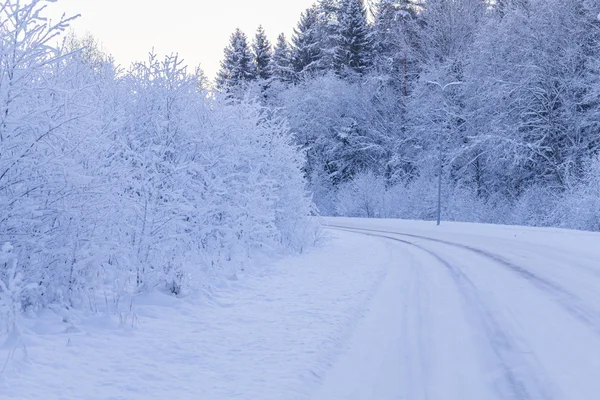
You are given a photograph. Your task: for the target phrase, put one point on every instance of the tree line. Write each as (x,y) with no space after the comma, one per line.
(505,93)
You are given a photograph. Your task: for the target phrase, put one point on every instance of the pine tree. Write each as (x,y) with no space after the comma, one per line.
(395,26)
(504,6)
(354,49)
(262,54)
(396,38)
(306,47)
(281,61)
(328,12)
(237,66)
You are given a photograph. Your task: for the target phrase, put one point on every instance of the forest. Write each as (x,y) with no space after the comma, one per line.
(500,98)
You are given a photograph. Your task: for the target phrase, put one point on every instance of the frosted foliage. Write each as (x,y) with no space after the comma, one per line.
(503,94)
(361,197)
(580,206)
(115,182)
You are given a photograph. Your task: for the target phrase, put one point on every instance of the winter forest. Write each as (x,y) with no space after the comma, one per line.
(115,180)
(504,95)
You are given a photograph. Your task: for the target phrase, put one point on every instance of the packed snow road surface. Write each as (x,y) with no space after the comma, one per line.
(475,312)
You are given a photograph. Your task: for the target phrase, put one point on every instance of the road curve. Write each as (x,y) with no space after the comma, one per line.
(468,316)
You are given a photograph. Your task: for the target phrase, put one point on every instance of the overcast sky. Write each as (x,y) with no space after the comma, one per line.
(197,29)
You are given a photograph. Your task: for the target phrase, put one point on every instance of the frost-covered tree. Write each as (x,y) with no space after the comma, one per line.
(122,181)
(41,174)
(535,105)
(437,106)
(307,54)
(504,6)
(504,93)
(237,67)
(281,61)
(354,47)
(328,12)
(262,52)
(448,29)
(396,39)
(342,129)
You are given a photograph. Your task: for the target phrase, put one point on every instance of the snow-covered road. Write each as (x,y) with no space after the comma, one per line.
(476,312)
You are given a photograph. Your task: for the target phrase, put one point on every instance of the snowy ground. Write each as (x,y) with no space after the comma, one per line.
(384,310)
(267,336)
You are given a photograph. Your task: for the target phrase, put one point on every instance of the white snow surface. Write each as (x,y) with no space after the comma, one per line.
(472,311)
(267,335)
(386,309)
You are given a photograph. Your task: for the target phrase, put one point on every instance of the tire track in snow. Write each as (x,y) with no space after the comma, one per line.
(416,333)
(570,302)
(502,345)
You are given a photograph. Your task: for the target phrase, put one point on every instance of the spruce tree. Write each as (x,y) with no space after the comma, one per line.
(281,61)
(396,39)
(395,24)
(504,6)
(327,29)
(306,46)
(354,49)
(238,65)
(262,54)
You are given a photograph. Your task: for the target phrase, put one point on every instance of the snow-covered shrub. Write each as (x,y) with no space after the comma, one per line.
(41,172)
(323,193)
(363,196)
(420,198)
(112,181)
(579,207)
(250,180)
(460,203)
(10,289)
(207,181)
(535,207)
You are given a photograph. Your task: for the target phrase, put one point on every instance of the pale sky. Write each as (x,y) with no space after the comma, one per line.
(196,29)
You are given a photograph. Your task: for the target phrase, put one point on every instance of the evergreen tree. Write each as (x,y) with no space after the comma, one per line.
(354,49)
(396,51)
(504,6)
(262,54)
(306,46)
(281,61)
(238,65)
(395,30)
(327,29)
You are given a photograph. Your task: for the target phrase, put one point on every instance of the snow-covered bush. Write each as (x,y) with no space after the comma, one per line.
(41,173)
(579,207)
(250,183)
(206,182)
(363,196)
(118,181)
(11,281)
(535,207)
(367,195)
(460,203)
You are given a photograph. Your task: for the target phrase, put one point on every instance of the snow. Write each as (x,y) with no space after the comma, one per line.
(268,335)
(384,309)
(479,312)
